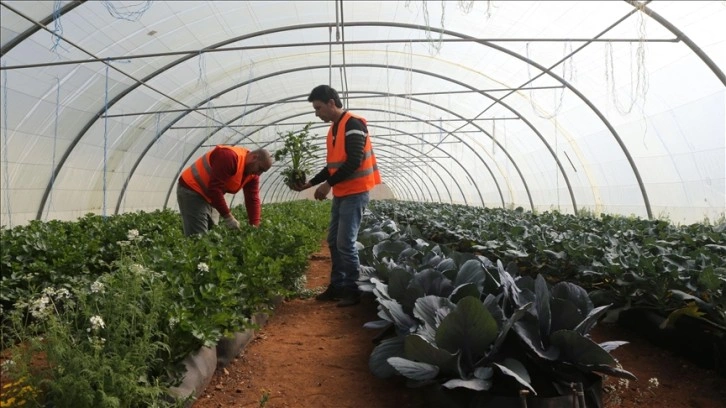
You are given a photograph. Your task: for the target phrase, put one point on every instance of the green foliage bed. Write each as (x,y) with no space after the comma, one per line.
(114,304)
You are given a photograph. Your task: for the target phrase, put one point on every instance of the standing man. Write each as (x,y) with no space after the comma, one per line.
(351,172)
(224,169)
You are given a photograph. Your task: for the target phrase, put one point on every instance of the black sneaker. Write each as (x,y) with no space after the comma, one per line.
(330,293)
(349,297)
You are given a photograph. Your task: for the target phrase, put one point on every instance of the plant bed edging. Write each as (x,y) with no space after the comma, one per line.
(201,365)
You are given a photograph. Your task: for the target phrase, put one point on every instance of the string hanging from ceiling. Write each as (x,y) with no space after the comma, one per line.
(55,140)
(6,136)
(638,76)
(127,12)
(105,140)
(57,31)
(568,73)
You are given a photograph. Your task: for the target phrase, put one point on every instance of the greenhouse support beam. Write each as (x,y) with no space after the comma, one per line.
(681,36)
(385,95)
(368,121)
(38,25)
(379,147)
(309,44)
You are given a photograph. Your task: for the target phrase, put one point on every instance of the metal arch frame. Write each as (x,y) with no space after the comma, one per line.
(276,185)
(414,136)
(387,148)
(275,182)
(274,188)
(391,129)
(638,5)
(35,28)
(171,186)
(62,162)
(475,151)
(681,36)
(264,32)
(318,25)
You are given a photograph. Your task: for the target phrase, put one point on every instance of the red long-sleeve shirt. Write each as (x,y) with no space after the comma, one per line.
(224,167)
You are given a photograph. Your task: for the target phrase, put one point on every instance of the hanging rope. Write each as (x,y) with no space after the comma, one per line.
(247,97)
(6,161)
(434,45)
(158,135)
(466,6)
(55,139)
(409,71)
(557,174)
(494,137)
(105,140)
(127,12)
(567,73)
(638,76)
(57,31)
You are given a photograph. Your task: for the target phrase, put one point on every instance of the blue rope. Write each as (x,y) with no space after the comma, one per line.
(55,139)
(157,140)
(127,15)
(5,146)
(57,28)
(105,140)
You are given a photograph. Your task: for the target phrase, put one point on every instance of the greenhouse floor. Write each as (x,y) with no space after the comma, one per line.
(314,354)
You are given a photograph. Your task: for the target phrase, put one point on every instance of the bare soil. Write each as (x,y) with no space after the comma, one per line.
(314,354)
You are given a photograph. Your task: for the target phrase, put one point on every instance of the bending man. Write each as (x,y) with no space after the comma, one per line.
(224,169)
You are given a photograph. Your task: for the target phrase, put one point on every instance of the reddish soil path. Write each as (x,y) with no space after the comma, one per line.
(315,355)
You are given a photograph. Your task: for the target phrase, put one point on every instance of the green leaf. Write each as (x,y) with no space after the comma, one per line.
(579,350)
(414,370)
(469,328)
(416,348)
(475,384)
(378,360)
(513,368)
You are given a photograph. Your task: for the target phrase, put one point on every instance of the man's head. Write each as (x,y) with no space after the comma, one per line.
(258,161)
(326,103)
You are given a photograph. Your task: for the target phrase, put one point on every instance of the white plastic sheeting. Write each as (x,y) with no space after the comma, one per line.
(602,106)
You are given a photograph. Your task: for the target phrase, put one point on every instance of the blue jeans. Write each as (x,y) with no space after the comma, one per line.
(345,218)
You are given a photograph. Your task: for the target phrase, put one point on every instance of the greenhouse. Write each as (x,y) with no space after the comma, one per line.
(555,143)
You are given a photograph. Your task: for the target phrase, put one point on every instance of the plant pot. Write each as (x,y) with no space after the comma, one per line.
(462,398)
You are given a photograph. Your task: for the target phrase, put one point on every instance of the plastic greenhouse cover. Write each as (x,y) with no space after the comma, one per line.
(602,106)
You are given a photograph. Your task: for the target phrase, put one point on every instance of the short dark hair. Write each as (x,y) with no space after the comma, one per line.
(324,93)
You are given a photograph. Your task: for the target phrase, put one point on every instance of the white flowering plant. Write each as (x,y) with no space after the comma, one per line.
(102,342)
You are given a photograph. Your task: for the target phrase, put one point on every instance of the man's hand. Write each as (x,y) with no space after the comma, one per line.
(301,187)
(231,222)
(322,191)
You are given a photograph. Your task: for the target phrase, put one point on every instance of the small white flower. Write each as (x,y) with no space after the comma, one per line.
(97,322)
(133,234)
(40,307)
(62,293)
(653,383)
(138,269)
(203,267)
(97,287)
(7,365)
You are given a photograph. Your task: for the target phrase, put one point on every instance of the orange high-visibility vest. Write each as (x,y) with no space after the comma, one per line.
(198,175)
(366,176)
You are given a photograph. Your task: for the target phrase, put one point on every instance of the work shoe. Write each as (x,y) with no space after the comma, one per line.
(330,293)
(349,297)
